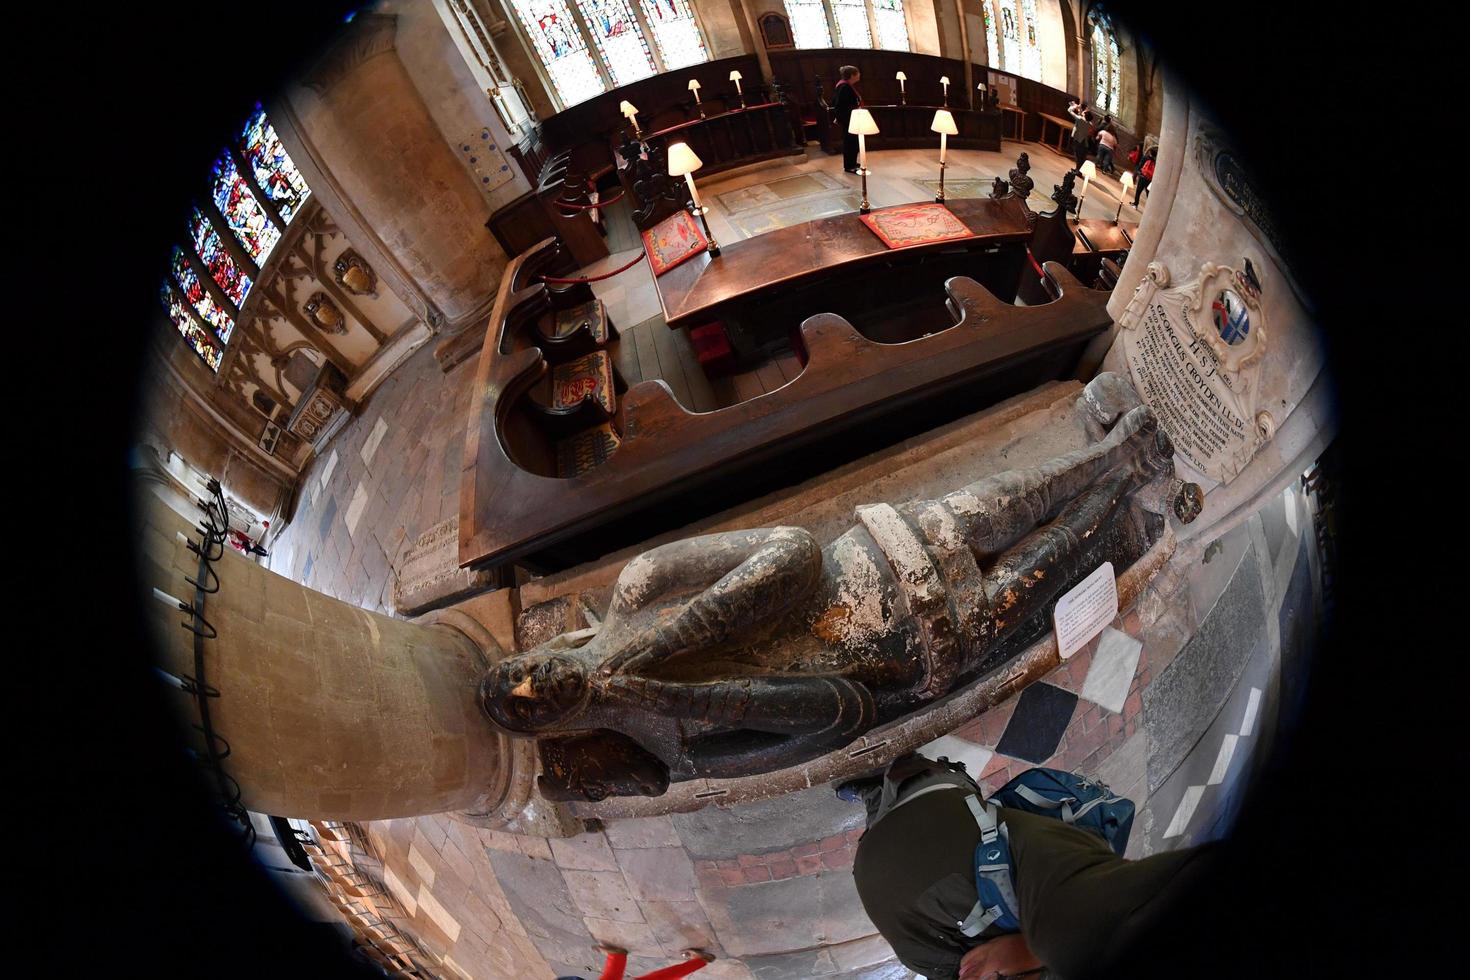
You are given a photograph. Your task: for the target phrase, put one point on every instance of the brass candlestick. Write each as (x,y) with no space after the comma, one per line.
(714,246)
(863,173)
(939,198)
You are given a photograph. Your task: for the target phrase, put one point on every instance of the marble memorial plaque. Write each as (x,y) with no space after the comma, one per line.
(1194,353)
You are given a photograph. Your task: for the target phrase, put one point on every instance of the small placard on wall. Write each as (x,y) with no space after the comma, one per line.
(1082,613)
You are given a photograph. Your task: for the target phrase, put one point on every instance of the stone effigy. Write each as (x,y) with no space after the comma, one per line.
(746,651)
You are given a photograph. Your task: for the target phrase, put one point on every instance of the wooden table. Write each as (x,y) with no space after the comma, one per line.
(1064,128)
(706,288)
(1017,115)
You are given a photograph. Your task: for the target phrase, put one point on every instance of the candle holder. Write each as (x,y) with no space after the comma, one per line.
(714,247)
(862,125)
(682,163)
(944,125)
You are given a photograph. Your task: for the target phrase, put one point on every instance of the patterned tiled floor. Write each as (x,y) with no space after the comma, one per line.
(1171,713)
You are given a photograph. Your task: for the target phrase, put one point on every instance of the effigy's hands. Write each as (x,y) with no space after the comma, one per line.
(1000,957)
(699,593)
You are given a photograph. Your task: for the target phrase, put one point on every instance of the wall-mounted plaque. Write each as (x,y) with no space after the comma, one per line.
(1195,354)
(775,31)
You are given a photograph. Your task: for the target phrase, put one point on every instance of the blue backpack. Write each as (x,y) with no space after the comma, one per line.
(1065,796)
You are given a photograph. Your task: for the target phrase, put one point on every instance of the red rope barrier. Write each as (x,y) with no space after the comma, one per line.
(588,207)
(1035,265)
(552,280)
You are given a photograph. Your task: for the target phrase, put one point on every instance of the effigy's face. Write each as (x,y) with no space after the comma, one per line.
(534,692)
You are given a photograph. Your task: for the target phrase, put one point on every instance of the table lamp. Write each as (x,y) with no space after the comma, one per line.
(901,79)
(1127,186)
(694,87)
(863,126)
(943,125)
(735,77)
(1089,171)
(631,111)
(682,163)
(981,89)
(944,80)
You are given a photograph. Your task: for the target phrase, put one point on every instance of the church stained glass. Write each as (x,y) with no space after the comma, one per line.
(1030,49)
(561,48)
(1010,36)
(893,31)
(243,214)
(272,168)
(618,39)
(188,326)
(992,40)
(1105,62)
(222,268)
(852,23)
(809,23)
(220,321)
(676,33)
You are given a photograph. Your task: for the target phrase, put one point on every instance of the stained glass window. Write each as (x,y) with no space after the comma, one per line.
(809,23)
(1010,36)
(1030,48)
(893,32)
(618,39)
(561,48)
(222,267)
(242,212)
(992,40)
(1105,62)
(852,23)
(676,33)
(272,168)
(199,297)
(187,324)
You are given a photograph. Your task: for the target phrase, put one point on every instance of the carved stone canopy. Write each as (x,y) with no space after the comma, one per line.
(746,651)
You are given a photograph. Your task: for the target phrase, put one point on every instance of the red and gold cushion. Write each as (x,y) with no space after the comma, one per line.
(591,314)
(586,377)
(915,224)
(673,240)
(586,450)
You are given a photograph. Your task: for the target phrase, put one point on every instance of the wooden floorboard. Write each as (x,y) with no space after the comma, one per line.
(626,358)
(770,376)
(671,365)
(699,386)
(724,391)
(789,365)
(747,386)
(647,355)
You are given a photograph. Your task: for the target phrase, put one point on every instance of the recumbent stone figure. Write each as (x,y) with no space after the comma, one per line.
(747,651)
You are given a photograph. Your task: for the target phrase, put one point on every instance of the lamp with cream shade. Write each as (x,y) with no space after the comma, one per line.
(862,125)
(629,110)
(735,77)
(1089,171)
(901,79)
(944,80)
(945,126)
(683,161)
(694,87)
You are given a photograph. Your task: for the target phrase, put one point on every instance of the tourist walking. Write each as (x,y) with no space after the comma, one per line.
(846,98)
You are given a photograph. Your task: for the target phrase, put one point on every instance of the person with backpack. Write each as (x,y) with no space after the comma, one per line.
(1145,173)
(965,888)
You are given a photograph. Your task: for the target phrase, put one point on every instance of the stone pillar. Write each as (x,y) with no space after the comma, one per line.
(368,145)
(330,711)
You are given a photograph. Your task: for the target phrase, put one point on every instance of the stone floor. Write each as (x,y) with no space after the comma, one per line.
(1171,706)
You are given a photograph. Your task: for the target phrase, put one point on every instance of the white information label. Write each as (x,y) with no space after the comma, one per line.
(1083,613)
